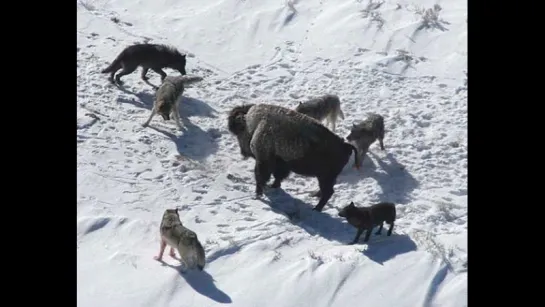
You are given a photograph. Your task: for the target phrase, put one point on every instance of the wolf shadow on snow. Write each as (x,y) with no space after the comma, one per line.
(188,106)
(145,98)
(392,246)
(334,228)
(203,283)
(193,143)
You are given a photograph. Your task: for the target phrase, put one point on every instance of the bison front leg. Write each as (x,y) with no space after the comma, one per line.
(262,173)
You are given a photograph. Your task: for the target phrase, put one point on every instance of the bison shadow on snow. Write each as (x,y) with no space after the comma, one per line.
(203,283)
(381,248)
(314,223)
(396,182)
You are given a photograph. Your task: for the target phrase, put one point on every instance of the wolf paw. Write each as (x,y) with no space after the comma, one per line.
(316,194)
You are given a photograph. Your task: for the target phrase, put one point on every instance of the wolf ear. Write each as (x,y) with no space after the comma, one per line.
(351,204)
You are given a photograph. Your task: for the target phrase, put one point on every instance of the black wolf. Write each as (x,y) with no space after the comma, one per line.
(366,218)
(149,56)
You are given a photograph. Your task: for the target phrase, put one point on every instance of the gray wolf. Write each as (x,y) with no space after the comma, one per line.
(180,238)
(366,218)
(167,98)
(366,133)
(283,141)
(326,107)
(148,56)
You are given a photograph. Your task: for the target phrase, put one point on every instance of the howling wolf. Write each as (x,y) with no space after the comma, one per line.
(149,56)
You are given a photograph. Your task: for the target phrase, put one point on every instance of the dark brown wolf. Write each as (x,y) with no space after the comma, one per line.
(366,218)
(149,56)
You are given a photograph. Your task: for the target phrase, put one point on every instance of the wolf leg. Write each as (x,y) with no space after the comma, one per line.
(111,77)
(380,140)
(172,253)
(333,123)
(144,72)
(160,72)
(161,250)
(153,112)
(367,235)
(125,71)
(361,155)
(176,115)
(358,234)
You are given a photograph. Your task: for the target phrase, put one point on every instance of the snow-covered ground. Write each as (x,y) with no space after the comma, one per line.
(377,56)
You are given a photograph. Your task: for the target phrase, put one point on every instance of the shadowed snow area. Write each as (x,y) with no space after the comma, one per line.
(405,60)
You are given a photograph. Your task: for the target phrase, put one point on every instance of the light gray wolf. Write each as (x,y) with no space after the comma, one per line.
(282,140)
(365,218)
(168,96)
(326,107)
(366,133)
(182,239)
(148,56)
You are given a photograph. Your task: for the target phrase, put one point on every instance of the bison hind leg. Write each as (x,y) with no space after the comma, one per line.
(281,172)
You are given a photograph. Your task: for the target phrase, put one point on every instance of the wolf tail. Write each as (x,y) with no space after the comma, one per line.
(192,79)
(339,111)
(115,64)
(200,256)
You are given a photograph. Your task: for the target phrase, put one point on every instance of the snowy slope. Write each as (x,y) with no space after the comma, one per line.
(378,57)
